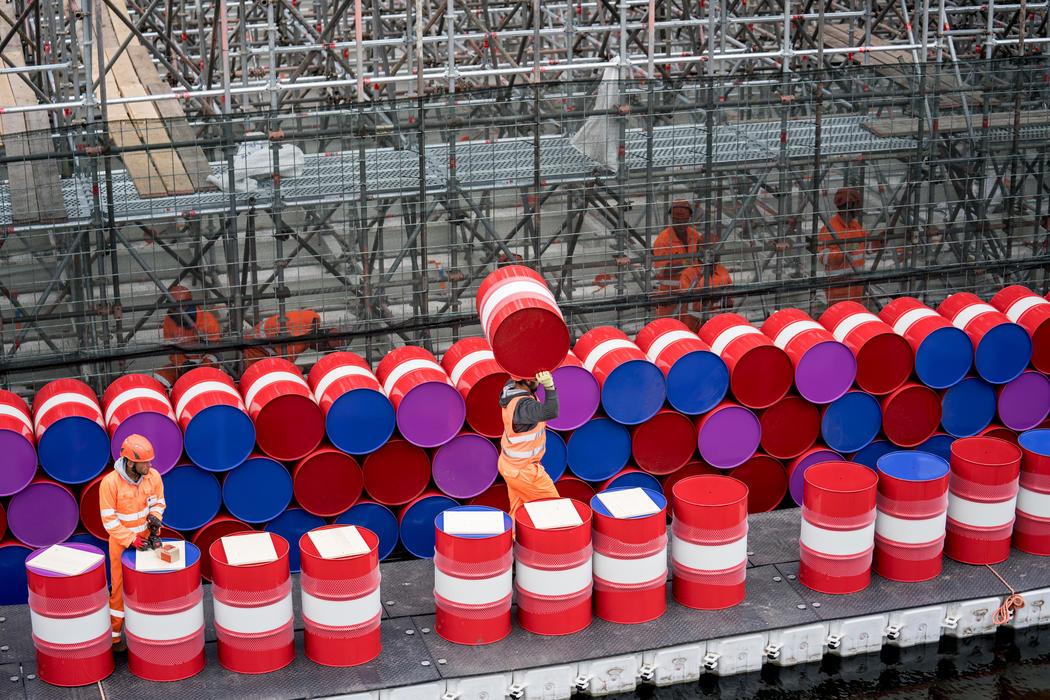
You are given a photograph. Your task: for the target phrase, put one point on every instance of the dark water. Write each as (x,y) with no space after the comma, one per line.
(1006,666)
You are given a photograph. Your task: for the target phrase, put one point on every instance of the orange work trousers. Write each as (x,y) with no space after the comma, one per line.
(851,292)
(116,591)
(525,484)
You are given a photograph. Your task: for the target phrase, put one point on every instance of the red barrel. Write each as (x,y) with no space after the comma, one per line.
(982,498)
(912,506)
(72,442)
(17,444)
(357,414)
(838,527)
(253,610)
(522,321)
(633,388)
(697,379)
(789,427)
(709,542)
(911,414)
(288,421)
(164,619)
(220,526)
(494,496)
(137,404)
(630,562)
(1032,528)
(578,394)
(766,481)
(552,573)
(884,359)
(341,603)
(824,367)
(207,404)
(327,482)
(1002,349)
(430,411)
(692,469)
(1032,312)
(664,443)
(396,473)
(760,373)
(70,621)
(472,577)
(90,516)
(998,431)
(575,488)
(479,378)
(943,353)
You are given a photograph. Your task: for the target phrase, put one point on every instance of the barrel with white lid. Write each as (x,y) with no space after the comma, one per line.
(1032,312)
(824,367)
(164,618)
(72,443)
(837,539)
(340,596)
(479,378)
(253,606)
(17,444)
(912,507)
(578,394)
(1002,348)
(137,404)
(217,432)
(522,321)
(709,542)
(553,565)
(1032,528)
(288,421)
(760,373)
(69,614)
(982,499)
(473,565)
(633,388)
(884,359)
(943,353)
(697,379)
(430,411)
(358,417)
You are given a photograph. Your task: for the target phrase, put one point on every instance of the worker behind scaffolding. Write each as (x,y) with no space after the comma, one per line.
(302,328)
(185,324)
(676,249)
(841,247)
(712,274)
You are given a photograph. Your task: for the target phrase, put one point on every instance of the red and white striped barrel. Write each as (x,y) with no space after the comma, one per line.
(207,403)
(522,321)
(1002,349)
(553,572)
(288,421)
(884,359)
(1032,312)
(430,411)
(760,373)
(472,575)
(336,374)
(358,416)
(942,353)
(341,602)
(630,562)
(70,621)
(479,379)
(824,367)
(697,379)
(633,388)
(253,610)
(837,540)
(982,498)
(17,444)
(1032,528)
(164,619)
(72,442)
(709,542)
(912,507)
(139,404)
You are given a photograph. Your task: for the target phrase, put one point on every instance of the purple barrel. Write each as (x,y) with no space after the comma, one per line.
(728,435)
(799,465)
(578,394)
(465,465)
(17,444)
(43,513)
(1024,402)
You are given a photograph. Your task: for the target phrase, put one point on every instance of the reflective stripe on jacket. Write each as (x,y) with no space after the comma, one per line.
(124,505)
(521,449)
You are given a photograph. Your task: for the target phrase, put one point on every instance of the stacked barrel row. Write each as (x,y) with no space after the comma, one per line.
(389,448)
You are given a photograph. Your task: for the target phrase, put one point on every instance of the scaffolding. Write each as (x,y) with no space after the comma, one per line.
(374,162)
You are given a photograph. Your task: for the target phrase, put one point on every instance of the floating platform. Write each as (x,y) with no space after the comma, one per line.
(780,623)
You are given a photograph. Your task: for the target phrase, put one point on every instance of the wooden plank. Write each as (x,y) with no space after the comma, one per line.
(953,123)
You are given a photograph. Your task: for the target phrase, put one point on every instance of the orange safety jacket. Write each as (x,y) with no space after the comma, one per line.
(124,504)
(206,329)
(693,279)
(843,252)
(520,450)
(673,256)
(296,323)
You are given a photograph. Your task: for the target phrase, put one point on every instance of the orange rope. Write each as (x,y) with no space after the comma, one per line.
(1014,601)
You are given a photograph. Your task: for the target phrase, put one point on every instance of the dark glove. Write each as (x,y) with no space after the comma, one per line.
(141,544)
(153,522)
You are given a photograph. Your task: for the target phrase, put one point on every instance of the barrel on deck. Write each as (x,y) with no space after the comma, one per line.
(1032,527)
(884,359)
(258,490)
(1002,348)
(1032,312)
(72,443)
(430,411)
(633,388)
(824,367)
(358,417)
(288,421)
(578,394)
(912,507)
(137,404)
(728,435)
(479,379)
(697,379)
(982,498)
(17,444)
(943,353)
(760,373)
(217,432)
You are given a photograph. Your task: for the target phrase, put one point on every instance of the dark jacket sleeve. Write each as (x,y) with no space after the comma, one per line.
(529,411)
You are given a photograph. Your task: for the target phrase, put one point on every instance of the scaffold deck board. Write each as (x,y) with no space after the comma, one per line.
(954,123)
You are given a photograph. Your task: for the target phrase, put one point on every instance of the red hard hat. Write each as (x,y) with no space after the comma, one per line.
(180,293)
(136,448)
(847,196)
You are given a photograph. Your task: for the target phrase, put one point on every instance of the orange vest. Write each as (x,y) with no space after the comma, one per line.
(520,450)
(124,505)
(844,252)
(206,330)
(693,279)
(296,323)
(674,253)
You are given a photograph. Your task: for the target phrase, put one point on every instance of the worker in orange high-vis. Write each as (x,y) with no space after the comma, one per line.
(185,323)
(297,323)
(131,498)
(676,248)
(525,439)
(841,246)
(710,275)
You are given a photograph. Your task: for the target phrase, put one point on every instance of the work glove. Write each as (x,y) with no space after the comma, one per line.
(546,380)
(141,544)
(153,521)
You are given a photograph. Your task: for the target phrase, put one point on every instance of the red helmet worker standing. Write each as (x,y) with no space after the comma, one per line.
(525,439)
(841,246)
(131,498)
(186,324)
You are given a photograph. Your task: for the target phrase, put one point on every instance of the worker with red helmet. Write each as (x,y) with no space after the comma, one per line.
(841,246)
(130,500)
(525,439)
(677,248)
(297,324)
(186,324)
(711,275)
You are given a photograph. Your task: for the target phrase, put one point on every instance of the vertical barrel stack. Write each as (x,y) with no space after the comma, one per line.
(912,512)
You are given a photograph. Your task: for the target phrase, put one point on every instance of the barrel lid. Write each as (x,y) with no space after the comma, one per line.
(944,357)
(485,511)
(1037,441)
(556,456)
(599,449)
(633,479)
(377,518)
(851,422)
(193,497)
(193,555)
(655,496)
(912,465)
(258,490)
(968,407)
(83,547)
(869,456)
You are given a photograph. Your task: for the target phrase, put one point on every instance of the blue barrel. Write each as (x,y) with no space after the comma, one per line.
(219,438)
(869,456)
(292,524)
(14,587)
(657,495)
(598,449)
(417,523)
(377,518)
(360,421)
(88,538)
(697,382)
(634,478)
(913,465)
(939,444)
(257,491)
(74,450)
(555,459)
(193,497)
(851,421)
(944,358)
(968,407)
(192,553)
